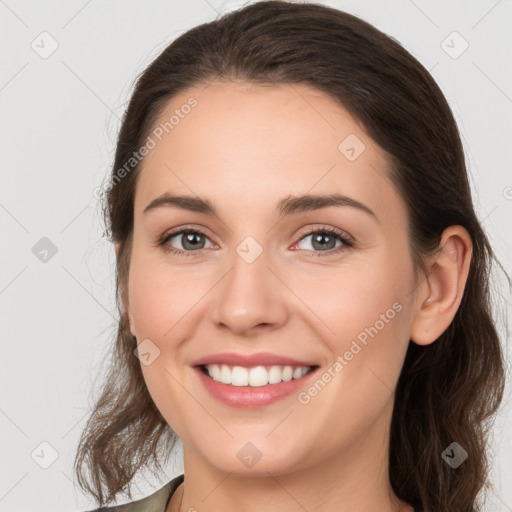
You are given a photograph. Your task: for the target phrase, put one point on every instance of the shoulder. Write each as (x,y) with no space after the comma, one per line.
(155,502)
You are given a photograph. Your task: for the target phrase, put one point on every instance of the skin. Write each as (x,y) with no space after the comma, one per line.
(245,147)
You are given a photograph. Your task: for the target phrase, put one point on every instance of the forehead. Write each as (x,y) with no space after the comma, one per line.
(248,143)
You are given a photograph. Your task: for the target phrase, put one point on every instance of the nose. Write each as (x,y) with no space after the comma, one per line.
(250,297)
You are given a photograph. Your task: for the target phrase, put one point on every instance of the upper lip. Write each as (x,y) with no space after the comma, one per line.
(249,360)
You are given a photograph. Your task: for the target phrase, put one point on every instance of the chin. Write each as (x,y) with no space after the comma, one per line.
(256,456)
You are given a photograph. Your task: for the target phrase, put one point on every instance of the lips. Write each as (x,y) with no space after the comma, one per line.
(251,360)
(252,397)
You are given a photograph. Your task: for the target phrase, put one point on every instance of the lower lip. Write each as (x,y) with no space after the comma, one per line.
(248,396)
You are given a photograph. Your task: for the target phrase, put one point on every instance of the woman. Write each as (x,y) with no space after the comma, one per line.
(301,276)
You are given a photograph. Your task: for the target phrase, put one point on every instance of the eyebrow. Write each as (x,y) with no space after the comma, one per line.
(287,206)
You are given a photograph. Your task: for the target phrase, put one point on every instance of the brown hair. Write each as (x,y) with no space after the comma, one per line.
(447,390)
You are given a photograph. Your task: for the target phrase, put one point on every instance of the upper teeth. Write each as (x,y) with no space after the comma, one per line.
(255,376)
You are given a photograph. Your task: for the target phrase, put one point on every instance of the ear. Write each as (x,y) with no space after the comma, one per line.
(440,293)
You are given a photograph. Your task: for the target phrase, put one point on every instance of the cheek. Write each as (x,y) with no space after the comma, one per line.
(365,315)
(160,298)
(349,299)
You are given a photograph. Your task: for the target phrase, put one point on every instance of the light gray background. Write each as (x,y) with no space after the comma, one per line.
(59,119)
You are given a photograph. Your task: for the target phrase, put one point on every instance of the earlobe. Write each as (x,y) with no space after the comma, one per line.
(441,292)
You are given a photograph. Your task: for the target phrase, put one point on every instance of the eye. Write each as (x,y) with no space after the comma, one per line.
(325,239)
(188,238)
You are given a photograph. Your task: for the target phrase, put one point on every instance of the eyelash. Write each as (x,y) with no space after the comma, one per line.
(347,242)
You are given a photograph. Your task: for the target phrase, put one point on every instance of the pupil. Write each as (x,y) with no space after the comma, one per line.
(189,239)
(319,237)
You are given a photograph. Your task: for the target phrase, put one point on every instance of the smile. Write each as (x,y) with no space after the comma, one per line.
(255,376)
(253,387)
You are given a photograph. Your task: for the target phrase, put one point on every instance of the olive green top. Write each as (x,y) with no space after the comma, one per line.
(156,502)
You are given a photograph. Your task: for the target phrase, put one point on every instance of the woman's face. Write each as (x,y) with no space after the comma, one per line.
(255,279)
